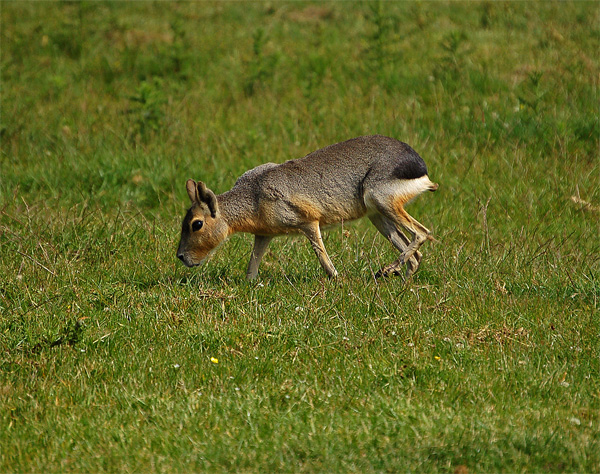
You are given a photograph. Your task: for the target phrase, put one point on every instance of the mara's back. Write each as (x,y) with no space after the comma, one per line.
(329,183)
(363,154)
(348,164)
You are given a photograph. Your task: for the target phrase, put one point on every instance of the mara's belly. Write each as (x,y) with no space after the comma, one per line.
(289,216)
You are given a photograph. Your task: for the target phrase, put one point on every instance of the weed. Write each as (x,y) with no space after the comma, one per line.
(383,26)
(261,66)
(384,54)
(531,94)
(451,64)
(147,112)
(70,334)
(313,74)
(67,42)
(487,14)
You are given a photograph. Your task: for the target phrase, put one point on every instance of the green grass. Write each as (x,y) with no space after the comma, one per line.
(116,358)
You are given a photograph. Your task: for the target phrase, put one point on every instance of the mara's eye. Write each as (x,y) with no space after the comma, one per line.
(197,225)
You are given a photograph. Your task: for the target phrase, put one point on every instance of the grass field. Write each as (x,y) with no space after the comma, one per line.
(116,358)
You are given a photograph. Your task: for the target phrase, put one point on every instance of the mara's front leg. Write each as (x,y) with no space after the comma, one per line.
(312,231)
(261,242)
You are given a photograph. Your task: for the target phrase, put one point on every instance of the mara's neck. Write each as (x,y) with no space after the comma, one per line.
(237,210)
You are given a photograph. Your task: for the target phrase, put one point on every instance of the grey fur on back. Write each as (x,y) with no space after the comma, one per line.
(357,158)
(333,178)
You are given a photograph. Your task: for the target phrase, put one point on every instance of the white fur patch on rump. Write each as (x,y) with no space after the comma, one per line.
(404,189)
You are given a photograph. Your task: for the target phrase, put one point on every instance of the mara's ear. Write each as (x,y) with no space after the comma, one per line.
(190,187)
(206,196)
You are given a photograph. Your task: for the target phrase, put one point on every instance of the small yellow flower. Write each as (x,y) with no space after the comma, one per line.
(214,360)
(437,358)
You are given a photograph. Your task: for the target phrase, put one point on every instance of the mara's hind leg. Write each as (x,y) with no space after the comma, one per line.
(388,198)
(419,232)
(397,238)
(312,231)
(261,242)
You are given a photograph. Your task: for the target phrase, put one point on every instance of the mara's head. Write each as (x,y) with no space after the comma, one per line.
(203,229)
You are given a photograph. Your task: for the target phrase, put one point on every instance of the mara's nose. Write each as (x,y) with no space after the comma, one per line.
(180,256)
